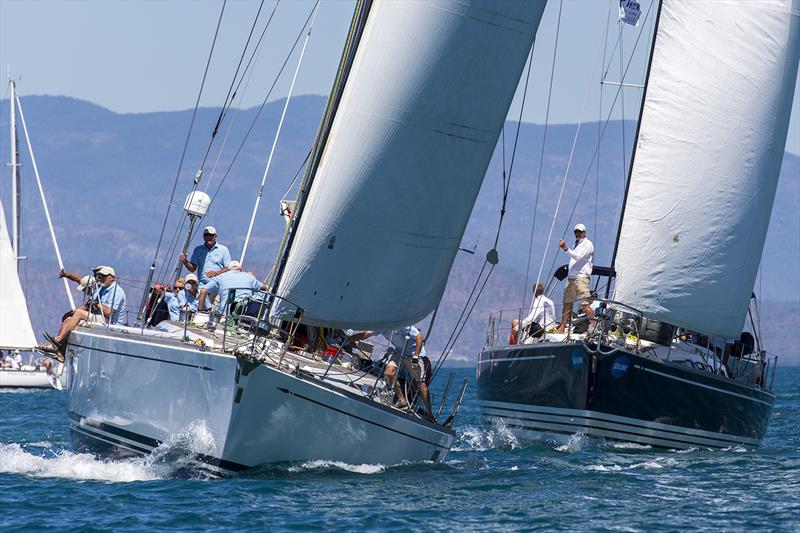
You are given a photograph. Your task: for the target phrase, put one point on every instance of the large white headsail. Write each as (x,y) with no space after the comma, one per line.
(429,89)
(712,136)
(15,324)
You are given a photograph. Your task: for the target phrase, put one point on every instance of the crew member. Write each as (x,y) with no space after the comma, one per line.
(233,279)
(580,270)
(541,316)
(209,259)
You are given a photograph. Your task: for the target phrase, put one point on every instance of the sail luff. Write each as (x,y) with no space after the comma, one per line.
(429,89)
(357,24)
(709,153)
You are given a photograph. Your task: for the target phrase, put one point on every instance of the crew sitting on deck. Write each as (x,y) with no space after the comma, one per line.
(580,270)
(541,317)
(233,279)
(209,259)
(414,363)
(108,302)
(183,300)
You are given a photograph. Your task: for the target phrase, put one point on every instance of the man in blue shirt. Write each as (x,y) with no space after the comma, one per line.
(108,301)
(184,299)
(232,280)
(209,259)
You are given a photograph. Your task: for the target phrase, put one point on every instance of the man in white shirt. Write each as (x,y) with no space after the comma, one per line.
(542,315)
(580,270)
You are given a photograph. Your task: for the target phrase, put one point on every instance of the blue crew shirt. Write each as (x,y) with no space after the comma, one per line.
(177,303)
(216,258)
(244,284)
(398,337)
(114,297)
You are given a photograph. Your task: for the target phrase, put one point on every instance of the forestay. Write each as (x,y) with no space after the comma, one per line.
(15,324)
(711,143)
(429,89)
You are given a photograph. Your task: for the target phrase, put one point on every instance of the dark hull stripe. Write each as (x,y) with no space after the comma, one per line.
(146,441)
(703,385)
(586,428)
(95,349)
(598,416)
(287,391)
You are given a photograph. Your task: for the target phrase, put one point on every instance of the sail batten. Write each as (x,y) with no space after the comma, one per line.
(711,142)
(426,98)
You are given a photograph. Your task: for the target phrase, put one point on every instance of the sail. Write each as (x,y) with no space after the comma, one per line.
(15,324)
(712,136)
(428,91)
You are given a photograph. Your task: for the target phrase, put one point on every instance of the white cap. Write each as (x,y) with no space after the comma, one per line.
(210,230)
(191,277)
(85,282)
(580,227)
(104,270)
(234,265)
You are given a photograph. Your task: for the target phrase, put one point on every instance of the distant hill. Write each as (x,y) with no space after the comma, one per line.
(109,176)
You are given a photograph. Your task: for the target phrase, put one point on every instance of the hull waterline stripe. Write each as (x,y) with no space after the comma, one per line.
(695,383)
(287,391)
(108,440)
(645,432)
(614,419)
(524,358)
(153,443)
(96,349)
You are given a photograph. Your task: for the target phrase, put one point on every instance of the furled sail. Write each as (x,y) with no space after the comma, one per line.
(424,103)
(15,324)
(711,142)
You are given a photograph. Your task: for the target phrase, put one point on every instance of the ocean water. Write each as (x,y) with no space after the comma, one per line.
(487,482)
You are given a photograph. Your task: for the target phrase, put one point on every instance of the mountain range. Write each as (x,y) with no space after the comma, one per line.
(109,178)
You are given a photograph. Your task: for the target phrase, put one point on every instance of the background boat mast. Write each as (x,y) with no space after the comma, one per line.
(16,192)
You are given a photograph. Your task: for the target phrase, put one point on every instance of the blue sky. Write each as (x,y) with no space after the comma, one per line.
(141,56)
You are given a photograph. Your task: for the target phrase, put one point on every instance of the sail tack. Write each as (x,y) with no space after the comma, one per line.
(15,324)
(429,89)
(712,136)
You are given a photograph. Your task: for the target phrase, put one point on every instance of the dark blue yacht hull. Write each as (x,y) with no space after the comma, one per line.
(550,389)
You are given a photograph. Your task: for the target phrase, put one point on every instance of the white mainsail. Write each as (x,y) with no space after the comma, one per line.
(711,142)
(15,324)
(429,89)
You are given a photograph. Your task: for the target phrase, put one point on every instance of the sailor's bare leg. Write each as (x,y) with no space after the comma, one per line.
(423,391)
(588,311)
(564,318)
(391,379)
(71,323)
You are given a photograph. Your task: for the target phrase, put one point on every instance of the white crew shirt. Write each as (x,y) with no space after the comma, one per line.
(580,259)
(543,312)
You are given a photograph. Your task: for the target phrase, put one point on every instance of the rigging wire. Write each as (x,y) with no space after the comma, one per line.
(541,161)
(183,157)
(600,122)
(596,150)
(275,140)
(260,109)
(491,257)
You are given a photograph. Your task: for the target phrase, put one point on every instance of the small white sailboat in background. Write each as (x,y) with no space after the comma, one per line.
(16,331)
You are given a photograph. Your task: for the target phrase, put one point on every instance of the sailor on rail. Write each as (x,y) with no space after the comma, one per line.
(580,270)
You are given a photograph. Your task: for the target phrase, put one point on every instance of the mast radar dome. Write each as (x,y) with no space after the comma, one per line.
(197,203)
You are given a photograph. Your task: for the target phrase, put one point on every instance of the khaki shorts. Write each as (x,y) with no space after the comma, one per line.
(409,369)
(577,288)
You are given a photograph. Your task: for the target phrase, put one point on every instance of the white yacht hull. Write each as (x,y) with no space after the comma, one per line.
(131,395)
(27,379)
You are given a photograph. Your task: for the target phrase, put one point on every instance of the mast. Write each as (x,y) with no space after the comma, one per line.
(348,54)
(635,144)
(16,212)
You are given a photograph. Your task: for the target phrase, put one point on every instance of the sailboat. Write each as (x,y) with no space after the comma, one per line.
(669,360)
(16,331)
(413,117)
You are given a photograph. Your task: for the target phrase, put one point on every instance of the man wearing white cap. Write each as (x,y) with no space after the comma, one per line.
(233,279)
(184,299)
(108,300)
(580,270)
(209,259)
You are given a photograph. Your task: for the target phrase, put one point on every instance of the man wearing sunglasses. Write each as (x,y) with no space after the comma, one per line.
(580,270)
(108,300)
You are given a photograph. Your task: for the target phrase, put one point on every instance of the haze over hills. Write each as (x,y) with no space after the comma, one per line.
(108,179)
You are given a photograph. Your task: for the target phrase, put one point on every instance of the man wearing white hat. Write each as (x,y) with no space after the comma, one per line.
(580,270)
(108,301)
(233,279)
(184,299)
(209,259)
